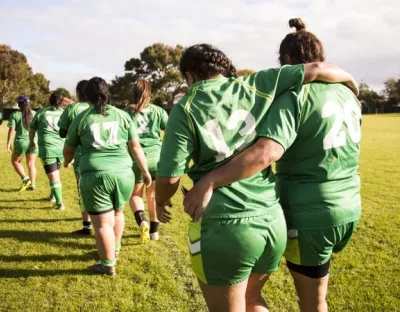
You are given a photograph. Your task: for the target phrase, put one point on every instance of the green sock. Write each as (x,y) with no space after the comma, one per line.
(56,190)
(25,178)
(117,246)
(111,262)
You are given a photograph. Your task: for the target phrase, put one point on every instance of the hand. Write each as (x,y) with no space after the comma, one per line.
(147,178)
(197,199)
(168,203)
(32,146)
(67,165)
(163,214)
(9,149)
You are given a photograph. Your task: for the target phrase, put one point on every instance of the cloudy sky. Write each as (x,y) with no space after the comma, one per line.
(69,40)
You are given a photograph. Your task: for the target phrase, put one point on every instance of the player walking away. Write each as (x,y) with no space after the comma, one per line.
(149,120)
(241,237)
(18,125)
(45,123)
(318,128)
(68,115)
(107,179)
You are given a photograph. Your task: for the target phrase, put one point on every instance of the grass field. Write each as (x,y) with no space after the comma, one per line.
(44,268)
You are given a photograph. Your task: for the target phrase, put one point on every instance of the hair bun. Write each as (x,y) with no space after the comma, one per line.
(297,23)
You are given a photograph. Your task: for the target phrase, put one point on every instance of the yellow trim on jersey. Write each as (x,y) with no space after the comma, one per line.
(254,89)
(186,109)
(304,98)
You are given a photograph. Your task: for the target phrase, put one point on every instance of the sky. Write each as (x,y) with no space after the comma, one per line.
(70,40)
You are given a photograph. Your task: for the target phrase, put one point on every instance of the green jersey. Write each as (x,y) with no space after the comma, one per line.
(149,123)
(317,176)
(16,121)
(103,140)
(213,122)
(45,123)
(70,112)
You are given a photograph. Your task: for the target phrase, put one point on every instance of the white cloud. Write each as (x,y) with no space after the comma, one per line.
(79,39)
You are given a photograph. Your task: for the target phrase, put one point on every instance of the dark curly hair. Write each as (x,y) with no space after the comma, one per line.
(80,90)
(206,61)
(56,99)
(97,93)
(300,46)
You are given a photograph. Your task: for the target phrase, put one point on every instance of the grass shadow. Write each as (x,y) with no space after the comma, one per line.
(39,220)
(7,190)
(24,200)
(17,273)
(25,207)
(46,237)
(43,258)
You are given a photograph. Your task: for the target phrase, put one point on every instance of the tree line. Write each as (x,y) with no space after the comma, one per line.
(158,63)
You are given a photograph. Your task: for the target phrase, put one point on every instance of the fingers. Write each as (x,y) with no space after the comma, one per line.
(163,214)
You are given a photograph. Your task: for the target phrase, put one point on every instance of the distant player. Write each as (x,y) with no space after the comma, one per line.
(318,128)
(105,134)
(45,124)
(18,124)
(149,120)
(241,236)
(68,115)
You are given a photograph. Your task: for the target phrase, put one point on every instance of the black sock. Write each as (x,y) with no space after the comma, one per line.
(153,227)
(139,217)
(87,225)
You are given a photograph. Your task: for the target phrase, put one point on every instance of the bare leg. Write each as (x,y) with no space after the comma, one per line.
(30,161)
(254,301)
(311,292)
(119,225)
(151,202)
(105,236)
(136,201)
(16,162)
(225,298)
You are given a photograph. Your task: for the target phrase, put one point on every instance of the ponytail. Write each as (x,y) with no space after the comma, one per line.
(56,99)
(25,109)
(97,93)
(141,95)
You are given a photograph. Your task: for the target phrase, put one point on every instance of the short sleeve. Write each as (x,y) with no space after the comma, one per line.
(274,82)
(177,147)
(11,121)
(132,133)
(73,140)
(163,119)
(282,120)
(64,121)
(35,121)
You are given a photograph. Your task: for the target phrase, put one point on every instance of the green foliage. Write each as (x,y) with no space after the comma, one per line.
(392,90)
(244,72)
(159,64)
(16,77)
(64,92)
(367,95)
(44,268)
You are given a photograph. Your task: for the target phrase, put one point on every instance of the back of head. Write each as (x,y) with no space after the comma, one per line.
(141,95)
(25,108)
(97,93)
(300,46)
(56,99)
(80,90)
(206,62)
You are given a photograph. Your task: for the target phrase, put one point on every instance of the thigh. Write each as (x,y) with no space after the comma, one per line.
(224,252)
(30,158)
(152,162)
(50,164)
(124,183)
(138,189)
(16,157)
(103,219)
(97,193)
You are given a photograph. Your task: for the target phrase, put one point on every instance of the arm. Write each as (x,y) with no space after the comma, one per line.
(137,151)
(166,187)
(69,153)
(10,139)
(329,73)
(249,162)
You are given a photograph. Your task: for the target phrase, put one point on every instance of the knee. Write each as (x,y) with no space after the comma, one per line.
(253,297)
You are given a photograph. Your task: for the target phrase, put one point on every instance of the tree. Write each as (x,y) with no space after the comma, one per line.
(16,77)
(244,72)
(159,64)
(392,90)
(64,92)
(366,94)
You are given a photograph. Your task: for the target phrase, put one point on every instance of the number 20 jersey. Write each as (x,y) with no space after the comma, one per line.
(212,123)
(318,180)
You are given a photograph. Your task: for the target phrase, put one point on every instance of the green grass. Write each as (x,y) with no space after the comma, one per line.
(44,268)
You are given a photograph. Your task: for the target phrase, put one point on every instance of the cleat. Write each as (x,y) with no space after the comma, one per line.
(83,232)
(105,270)
(52,199)
(31,188)
(25,185)
(155,236)
(144,232)
(60,207)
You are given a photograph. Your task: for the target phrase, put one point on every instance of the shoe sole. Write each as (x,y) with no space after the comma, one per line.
(25,187)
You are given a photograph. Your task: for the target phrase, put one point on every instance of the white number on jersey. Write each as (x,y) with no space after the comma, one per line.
(112,127)
(52,122)
(143,121)
(350,115)
(213,129)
